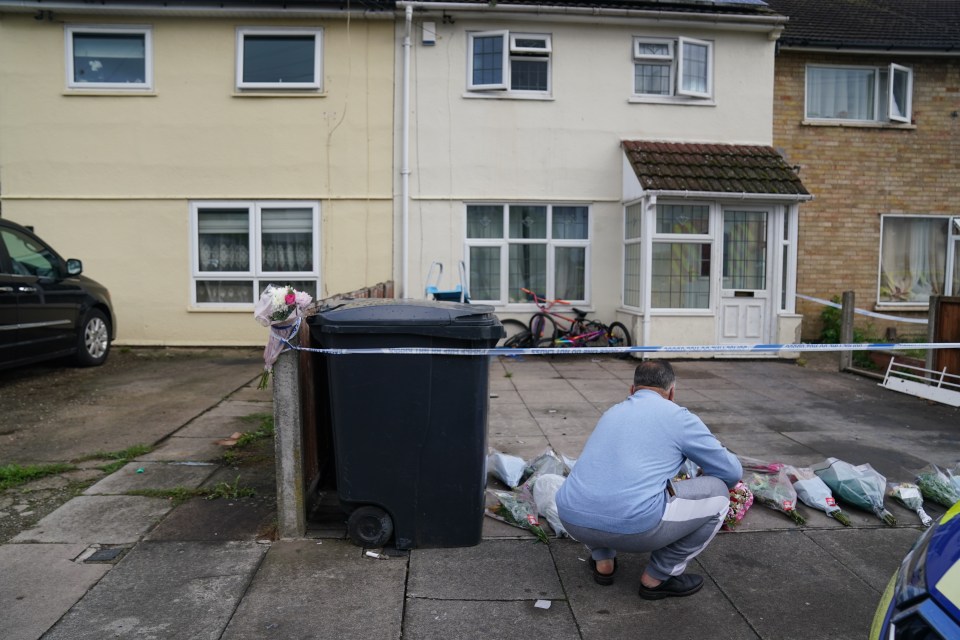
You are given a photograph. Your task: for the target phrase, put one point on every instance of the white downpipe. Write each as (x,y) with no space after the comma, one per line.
(405,158)
(648,222)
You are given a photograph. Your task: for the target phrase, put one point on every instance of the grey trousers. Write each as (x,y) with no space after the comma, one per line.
(691,520)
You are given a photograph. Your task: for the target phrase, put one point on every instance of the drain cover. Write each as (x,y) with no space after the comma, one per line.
(105,555)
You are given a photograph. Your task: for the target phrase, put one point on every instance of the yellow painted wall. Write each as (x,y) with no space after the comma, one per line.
(109,178)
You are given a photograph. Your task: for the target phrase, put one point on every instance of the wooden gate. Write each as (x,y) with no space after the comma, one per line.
(945,319)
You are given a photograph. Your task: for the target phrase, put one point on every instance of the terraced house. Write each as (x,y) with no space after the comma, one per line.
(617,155)
(867,104)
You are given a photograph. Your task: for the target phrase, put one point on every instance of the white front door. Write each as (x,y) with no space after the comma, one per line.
(745,289)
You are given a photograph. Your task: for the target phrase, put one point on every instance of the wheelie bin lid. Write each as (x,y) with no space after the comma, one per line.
(419,317)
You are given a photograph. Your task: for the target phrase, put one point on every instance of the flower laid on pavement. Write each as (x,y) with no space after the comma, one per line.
(517,509)
(774,490)
(279,308)
(759,466)
(862,486)
(908,494)
(740,501)
(815,493)
(936,485)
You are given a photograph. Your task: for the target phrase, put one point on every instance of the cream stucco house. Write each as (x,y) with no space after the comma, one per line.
(190,153)
(515,125)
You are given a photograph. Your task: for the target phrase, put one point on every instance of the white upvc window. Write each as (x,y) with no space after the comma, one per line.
(861,93)
(918,259)
(286,58)
(508,61)
(633,256)
(109,57)
(682,256)
(238,248)
(541,247)
(672,67)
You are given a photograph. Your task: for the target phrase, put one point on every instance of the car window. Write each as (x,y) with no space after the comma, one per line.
(27,257)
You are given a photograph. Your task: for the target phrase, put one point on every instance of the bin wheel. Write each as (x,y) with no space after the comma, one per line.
(369,526)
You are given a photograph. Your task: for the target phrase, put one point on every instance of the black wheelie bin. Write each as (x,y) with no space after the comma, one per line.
(409,430)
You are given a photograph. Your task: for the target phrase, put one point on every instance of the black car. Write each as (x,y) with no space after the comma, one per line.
(47,309)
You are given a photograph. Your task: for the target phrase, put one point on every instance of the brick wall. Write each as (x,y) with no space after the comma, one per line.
(858,173)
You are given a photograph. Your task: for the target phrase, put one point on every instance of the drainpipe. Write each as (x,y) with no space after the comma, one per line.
(648,222)
(405,157)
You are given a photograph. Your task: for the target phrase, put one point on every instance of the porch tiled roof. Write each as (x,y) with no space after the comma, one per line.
(715,168)
(884,25)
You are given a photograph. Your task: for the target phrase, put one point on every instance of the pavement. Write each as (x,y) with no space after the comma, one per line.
(123,560)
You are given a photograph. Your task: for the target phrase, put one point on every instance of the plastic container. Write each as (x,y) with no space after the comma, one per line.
(409,431)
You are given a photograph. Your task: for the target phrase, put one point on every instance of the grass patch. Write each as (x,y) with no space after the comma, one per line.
(119,458)
(264,430)
(179,495)
(12,475)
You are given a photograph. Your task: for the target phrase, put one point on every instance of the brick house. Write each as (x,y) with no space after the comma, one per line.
(867,106)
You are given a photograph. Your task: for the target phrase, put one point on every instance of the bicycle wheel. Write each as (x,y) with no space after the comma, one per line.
(512,328)
(594,334)
(618,335)
(542,326)
(520,340)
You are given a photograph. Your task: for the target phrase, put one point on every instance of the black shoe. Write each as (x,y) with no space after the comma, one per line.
(605,579)
(673,587)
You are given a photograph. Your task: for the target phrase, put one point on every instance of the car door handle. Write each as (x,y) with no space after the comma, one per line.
(27,289)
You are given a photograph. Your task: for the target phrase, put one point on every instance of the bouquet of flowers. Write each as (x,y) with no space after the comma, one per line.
(908,494)
(936,485)
(740,500)
(279,308)
(861,486)
(515,508)
(759,466)
(815,493)
(774,490)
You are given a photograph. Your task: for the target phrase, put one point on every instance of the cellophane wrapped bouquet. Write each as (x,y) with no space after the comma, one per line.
(774,490)
(279,308)
(815,493)
(908,494)
(741,499)
(861,485)
(937,486)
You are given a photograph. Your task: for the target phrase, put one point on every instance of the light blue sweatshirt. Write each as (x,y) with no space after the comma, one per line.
(619,482)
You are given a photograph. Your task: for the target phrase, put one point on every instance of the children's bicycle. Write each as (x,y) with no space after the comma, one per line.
(578,332)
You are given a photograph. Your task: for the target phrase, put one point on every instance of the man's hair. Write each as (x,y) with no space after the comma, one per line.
(654,373)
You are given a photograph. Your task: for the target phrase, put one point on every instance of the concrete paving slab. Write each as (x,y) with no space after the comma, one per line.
(873,554)
(151,475)
(483,620)
(250,393)
(98,519)
(235,408)
(219,519)
(40,583)
(523,446)
(505,395)
(512,419)
(617,611)
(570,446)
(563,424)
(786,586)
(770,446)
(494,529)
(216,427)
(492,570)
(326,589)
(177,449)
(170,590)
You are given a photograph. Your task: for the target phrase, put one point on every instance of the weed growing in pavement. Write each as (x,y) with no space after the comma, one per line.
(508,374)
(119,458)
(264,431)
(179,495)
(12,475)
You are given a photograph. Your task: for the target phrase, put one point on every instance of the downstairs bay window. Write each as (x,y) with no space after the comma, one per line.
(543,248)
(238,248)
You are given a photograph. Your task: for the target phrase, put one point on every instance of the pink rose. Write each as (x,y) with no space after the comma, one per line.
(290,298)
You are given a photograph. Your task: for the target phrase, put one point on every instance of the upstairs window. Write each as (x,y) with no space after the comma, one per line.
(279,58)
(112,57)
(867,94)
(672,67)
(505,61)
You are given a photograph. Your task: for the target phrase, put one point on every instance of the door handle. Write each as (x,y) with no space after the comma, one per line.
(27,289)
(6,289)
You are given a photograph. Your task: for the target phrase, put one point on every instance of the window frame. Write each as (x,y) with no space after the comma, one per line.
(697,239)
(315,85)
(882,111)
(70,30)
(254,272)
(511,52)
(953,225)
(676,60)
(552,244)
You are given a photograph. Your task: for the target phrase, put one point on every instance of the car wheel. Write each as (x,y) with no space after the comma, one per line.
(93,343)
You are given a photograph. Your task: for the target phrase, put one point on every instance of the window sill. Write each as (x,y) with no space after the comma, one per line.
(674,100)
(293,93)
(508,95)
(857,124)
(912,308)
(126,93)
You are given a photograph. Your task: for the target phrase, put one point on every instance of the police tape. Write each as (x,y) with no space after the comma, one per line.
(550,351)
(864,312)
